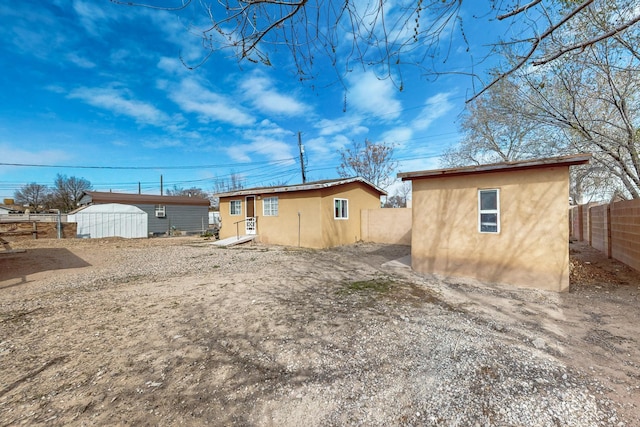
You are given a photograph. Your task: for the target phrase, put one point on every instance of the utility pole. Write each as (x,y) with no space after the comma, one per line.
(301,149)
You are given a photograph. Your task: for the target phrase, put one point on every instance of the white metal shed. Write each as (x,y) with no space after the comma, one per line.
(110,220)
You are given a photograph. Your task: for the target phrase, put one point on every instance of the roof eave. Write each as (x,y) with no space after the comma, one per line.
(573,160)
(299,187)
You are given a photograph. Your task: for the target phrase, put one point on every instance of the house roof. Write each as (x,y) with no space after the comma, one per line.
(575,159)
(316,185)
(98,197)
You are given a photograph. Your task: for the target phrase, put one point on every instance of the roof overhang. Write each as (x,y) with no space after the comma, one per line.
(98,197)
(316,185)
(572,160)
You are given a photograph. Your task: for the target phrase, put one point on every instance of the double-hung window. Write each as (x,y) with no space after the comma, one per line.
(270,206)
(235,207)
(489,211)
(341,209)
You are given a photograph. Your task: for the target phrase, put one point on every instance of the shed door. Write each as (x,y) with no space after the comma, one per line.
(250,215)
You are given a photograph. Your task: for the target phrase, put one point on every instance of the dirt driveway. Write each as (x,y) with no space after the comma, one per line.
(178,332)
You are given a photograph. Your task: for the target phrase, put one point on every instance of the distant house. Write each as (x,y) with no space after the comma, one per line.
(166,214)
(502,223)
(317,214)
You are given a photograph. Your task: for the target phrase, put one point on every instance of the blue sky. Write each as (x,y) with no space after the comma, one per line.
(97,90)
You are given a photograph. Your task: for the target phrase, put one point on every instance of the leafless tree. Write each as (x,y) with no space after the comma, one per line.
(384,36)
(400,196)
(67,192)
(496,128)
(188,192)
(587,101)
(32,195)
(222,185)
(594,103)
(371,161)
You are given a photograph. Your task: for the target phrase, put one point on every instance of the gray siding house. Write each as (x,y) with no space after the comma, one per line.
(165,213)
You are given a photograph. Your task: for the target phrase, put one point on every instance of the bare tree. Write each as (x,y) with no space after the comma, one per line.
(223,185)
(400,196)
(67,192)
(187,192)
(593,102)
(371,161)
(587,101)
(32,195)
(387,35)
(497,128)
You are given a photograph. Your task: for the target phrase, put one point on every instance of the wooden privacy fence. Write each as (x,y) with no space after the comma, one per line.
(613,229)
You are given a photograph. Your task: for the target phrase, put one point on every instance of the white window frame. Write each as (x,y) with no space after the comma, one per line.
(344,205)
(161,211)
(495,211)
(239,207)
(270,206)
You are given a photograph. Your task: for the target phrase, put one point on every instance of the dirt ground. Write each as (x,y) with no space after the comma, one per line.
(176,332)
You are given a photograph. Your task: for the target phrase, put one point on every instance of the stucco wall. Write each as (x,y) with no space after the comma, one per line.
(315,227)
(228,221)
(289,228)
(532,248)
(390,226)
(340,231)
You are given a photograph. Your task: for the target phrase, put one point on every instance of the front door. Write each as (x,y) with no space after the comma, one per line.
(250,215)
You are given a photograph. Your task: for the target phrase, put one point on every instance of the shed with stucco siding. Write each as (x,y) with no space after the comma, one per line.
(501,223)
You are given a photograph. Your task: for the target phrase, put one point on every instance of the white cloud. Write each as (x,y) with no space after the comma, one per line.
(397,136)
(80,61)
(349,125)
(326,146)
(192,97)
(91,16)
(266,140)
(435,107)
(120,103)
(262,94)
(373,96)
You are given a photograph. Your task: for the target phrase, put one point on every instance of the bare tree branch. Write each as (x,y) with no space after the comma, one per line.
(587,43)
(518,10)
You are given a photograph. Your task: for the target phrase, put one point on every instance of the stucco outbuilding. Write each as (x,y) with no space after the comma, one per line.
(501,223)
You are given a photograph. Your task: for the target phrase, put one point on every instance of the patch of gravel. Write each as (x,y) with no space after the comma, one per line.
(299,347)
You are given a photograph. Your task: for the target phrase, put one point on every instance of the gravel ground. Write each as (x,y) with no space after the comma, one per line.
(178,332)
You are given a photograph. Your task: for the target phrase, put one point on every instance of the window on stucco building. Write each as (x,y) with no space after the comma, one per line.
(270,206)
(489,211)
(341,209)
(235,207)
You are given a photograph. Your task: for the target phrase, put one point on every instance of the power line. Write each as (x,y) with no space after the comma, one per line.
(289,159)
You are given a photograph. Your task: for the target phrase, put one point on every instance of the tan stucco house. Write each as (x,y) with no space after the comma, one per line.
(501,223)
(317,214)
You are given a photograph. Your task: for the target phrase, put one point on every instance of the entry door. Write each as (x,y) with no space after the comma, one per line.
(250,215)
